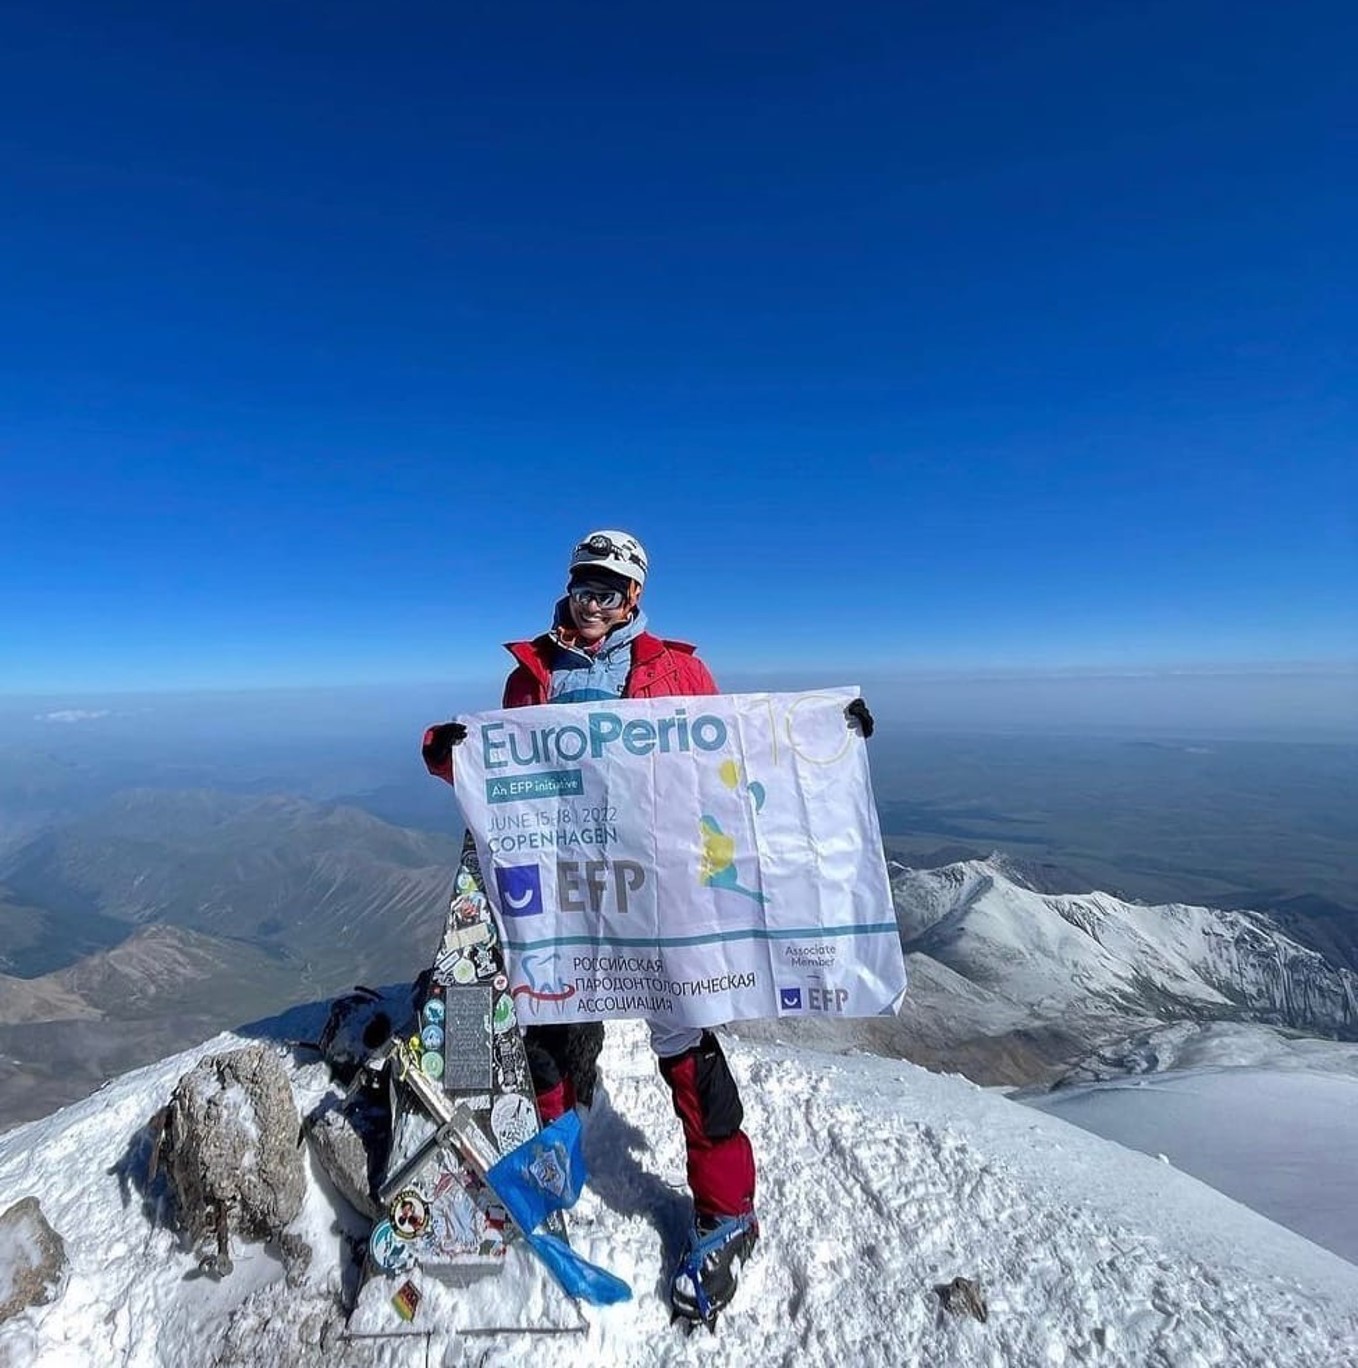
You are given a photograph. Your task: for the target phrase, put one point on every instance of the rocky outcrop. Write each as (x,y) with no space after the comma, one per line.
(32,1259)
(346,1136)
(231,1148)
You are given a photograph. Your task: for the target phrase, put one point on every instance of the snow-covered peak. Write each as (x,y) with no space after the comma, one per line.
(1077,958)
(878,1181)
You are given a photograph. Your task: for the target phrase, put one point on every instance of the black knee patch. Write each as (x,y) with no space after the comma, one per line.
(583,1046)
(560,1052)
(705,1072)
(542,1067)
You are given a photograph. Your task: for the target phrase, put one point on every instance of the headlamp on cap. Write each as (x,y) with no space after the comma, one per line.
(617,552)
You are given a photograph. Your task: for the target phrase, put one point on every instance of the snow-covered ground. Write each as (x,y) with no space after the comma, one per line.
(1187,1045)
(1269,1119)
(879,1180)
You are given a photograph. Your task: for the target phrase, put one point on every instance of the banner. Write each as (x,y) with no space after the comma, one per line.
(687,860)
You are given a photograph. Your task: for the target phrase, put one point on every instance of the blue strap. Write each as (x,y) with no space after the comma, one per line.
(732,1228)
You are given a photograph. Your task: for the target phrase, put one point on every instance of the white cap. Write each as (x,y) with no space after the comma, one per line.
(609,549)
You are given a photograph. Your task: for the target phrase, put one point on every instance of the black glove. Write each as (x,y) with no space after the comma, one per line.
(439,740)
(857,711)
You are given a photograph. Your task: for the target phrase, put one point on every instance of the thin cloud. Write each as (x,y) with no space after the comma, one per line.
(72,715)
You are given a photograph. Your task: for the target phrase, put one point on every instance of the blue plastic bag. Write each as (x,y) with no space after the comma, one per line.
(543,1175)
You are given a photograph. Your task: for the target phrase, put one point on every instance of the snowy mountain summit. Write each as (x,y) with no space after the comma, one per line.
(997,964)
(880,1184)
(1091,950)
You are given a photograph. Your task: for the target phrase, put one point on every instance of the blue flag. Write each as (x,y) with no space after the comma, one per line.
(577,1275)
(543,1175)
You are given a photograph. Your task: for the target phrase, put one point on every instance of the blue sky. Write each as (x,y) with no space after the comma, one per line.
(905,336)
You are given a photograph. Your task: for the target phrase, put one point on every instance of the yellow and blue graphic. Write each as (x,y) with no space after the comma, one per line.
(717,864)
(730,776)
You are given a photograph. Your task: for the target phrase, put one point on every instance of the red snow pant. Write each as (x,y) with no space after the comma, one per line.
(563,1060)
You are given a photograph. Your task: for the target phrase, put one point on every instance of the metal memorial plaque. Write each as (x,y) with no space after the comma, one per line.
(468,1061)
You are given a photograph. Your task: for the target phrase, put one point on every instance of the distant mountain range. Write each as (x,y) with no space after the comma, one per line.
(330,885)
(1013,984)
(1087,957)
(157,917)
(161,916)
(62,1034)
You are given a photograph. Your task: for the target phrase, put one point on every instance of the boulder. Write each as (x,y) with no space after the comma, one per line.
(232,1148)
(350,1137)
(32,1259)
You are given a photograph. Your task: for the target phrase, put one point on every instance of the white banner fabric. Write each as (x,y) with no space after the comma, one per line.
(690,860)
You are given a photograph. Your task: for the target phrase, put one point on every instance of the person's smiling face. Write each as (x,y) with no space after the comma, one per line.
(598,604)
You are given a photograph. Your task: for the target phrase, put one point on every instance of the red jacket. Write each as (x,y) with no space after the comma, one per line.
(660,669)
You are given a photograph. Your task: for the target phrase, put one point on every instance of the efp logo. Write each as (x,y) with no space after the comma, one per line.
(520,890)
(790,999)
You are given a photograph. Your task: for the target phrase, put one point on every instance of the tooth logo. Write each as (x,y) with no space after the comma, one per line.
(520,890)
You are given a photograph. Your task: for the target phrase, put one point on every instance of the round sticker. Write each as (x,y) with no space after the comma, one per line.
(433,1012)
(389,1252)
(431,1063)
(504,1012)
(501,983)
(464,971)
(513,1119)
(409,1215)
(432,1036)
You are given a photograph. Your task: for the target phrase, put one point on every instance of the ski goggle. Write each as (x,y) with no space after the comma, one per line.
(596,593)
(599,545)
